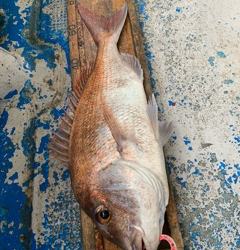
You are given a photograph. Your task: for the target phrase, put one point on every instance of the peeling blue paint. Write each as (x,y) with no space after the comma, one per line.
(11,94)
(44,144)
(7,148)
(28,142)
(38,40)
(57,113)
(46,125)
(25,94)
(15,209)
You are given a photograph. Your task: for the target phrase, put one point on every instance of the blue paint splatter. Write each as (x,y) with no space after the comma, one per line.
(237,139)
(221,54)
(211,61)
(181,182)
(141,8)
(187,142)
(178,10)
(12,131)
(196,172)
(228,81)
(65,175)
(171,103)
(222,165)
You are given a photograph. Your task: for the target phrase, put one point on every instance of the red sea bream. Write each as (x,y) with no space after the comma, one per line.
(113,143)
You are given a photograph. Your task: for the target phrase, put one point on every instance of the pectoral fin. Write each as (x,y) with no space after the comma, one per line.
(117,132)
(165,132)
(152,110)
(162,130)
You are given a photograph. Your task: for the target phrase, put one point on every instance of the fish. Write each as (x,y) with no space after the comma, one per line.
(113,142)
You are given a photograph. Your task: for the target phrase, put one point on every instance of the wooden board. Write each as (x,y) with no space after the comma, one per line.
(83,50)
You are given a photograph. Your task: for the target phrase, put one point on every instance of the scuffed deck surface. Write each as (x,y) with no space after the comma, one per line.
(193,54)
(192,49)
(37,208)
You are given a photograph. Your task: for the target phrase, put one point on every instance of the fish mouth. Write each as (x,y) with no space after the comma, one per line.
(138,241)
(143,245)
(139,247)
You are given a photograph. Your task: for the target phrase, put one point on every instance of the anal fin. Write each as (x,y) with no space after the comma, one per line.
(152,110)
(134,63)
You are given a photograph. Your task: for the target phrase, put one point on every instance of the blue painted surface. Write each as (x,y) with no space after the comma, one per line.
(28,29)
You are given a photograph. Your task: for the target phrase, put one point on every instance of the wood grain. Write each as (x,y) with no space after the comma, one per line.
(83,50)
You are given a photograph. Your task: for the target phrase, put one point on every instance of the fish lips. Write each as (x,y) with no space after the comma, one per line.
(138,240)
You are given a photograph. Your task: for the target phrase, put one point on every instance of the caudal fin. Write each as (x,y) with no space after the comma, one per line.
(102,27)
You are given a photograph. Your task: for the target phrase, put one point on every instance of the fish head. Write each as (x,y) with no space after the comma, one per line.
(126,209)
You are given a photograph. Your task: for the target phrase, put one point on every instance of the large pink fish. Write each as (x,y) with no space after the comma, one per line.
(112,141)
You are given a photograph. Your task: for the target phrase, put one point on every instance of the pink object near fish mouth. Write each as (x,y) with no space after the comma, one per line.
(169,240)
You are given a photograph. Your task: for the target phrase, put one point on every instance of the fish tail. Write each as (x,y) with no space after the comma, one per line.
(102,27)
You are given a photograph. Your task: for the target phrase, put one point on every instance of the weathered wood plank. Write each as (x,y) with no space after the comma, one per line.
(173,221)
(73,40)
(138,45)
(88,232)
(83,47)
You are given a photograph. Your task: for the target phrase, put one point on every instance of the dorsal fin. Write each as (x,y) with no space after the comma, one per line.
(60,142)
(134,63)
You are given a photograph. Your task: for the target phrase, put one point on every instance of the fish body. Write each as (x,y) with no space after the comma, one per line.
(115,149)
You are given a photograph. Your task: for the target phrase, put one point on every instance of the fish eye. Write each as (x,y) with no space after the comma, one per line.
(102,214)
